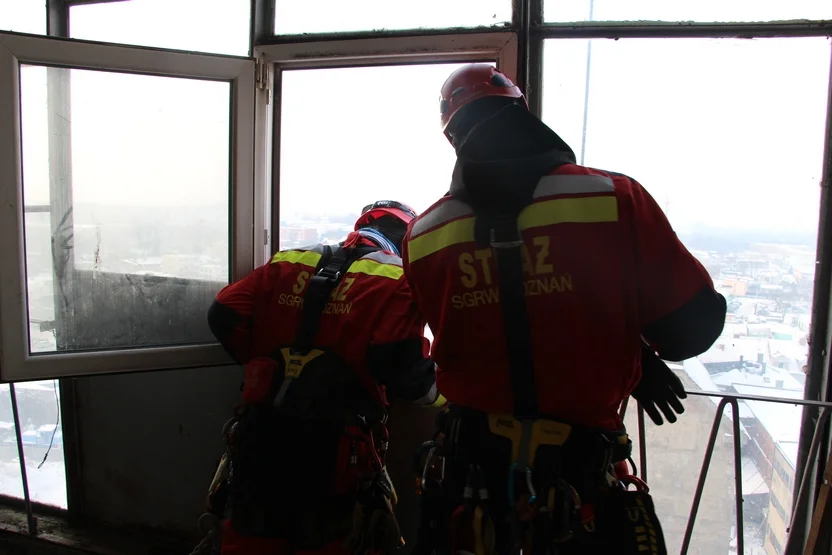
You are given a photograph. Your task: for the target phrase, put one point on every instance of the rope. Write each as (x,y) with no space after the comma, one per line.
(379,239)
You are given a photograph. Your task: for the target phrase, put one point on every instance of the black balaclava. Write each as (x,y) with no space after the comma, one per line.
(502,157)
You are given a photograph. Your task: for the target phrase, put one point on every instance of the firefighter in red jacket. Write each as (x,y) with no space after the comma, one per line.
(552,290)
(325,334)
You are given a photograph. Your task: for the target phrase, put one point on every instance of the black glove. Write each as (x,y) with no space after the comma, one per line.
(659,388)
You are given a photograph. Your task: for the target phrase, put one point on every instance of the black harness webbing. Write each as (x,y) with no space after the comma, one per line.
(331,268)
(507,242)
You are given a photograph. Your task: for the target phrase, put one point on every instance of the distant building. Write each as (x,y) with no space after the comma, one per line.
(299,235)
(736,286)
(782,486)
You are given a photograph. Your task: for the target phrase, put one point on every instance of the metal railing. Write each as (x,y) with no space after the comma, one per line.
(733,400)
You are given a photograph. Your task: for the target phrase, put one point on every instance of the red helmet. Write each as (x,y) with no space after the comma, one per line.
(472,82)
(380,208)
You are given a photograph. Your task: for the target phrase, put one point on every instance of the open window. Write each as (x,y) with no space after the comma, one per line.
(116,235)
(361,123)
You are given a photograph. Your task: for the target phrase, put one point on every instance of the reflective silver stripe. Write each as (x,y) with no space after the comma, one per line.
(430,397)
(383,258)
(445,212)
(318,248)
(553,185)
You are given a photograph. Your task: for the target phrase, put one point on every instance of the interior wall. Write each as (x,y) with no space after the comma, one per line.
(150,442)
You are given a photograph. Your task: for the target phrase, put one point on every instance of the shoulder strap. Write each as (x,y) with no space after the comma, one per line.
(333,264)
(507,242)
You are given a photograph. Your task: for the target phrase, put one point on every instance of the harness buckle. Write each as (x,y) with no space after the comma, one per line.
(503,244)
(505,225)
(328,274)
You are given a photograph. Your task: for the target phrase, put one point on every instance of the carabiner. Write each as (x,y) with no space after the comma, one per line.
(567,487)
(426,466)
(530,486)
(532,493)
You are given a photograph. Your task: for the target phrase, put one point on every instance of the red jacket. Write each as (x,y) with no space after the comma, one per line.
(371,321)
(600,262)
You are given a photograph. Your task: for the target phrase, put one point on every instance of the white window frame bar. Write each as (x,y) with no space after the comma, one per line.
(423,49)
(264,133)
(418,49)
(16,362)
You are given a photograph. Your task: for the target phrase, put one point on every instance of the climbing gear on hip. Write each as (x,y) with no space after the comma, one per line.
(374,525)
(545,483)
(314,441)
(216,500)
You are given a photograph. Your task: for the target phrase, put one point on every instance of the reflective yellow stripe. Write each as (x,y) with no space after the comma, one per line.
(307,258)
(440,401)
(549,212)
(453,233)
(570,210)
(373,268)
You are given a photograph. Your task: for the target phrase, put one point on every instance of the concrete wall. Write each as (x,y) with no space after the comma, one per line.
(150,441)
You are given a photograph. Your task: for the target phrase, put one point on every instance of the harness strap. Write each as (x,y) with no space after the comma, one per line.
(331,268)
(505,239)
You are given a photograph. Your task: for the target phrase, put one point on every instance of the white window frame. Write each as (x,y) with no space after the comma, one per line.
(16,362)
(499,47)
(474,47)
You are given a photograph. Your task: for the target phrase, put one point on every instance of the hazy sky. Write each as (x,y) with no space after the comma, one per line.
(729,132)
(686,10)
(724,133)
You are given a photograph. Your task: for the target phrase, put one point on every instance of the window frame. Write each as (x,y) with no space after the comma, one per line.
(16,361)
(500,47)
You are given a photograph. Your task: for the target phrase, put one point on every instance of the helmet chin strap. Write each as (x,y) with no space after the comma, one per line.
(379,239)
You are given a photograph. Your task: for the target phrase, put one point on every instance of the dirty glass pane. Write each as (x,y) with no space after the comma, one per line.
(694,135)
(126,214)
(23,16)
(559,11)
(369,155)
(335,16)
(214,26)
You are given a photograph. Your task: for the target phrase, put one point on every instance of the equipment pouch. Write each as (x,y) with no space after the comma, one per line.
(625,523)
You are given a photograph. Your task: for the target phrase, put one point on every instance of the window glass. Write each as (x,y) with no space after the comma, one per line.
(126,226)
(10,481)
(23,16)
(215,26)
(334,16)
(341,151)
(685,10)
(38,405)
(727,136)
